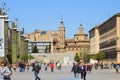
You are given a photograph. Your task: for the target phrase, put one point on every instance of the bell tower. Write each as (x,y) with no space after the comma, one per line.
(61,36)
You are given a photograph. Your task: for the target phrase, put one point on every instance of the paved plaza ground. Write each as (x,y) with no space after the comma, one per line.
(66,74)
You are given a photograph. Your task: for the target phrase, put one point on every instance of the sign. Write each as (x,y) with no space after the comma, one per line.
(2,49)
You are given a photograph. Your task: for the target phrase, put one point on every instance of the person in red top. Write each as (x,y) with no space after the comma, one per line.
(52,66)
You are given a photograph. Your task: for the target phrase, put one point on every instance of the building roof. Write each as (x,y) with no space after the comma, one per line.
(54,34)
(116,15)
(70,40)
(81,34)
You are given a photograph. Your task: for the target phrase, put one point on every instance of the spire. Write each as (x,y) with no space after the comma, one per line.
(81,29)
(61,22)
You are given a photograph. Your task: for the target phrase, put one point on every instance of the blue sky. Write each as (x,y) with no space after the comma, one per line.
(46,14)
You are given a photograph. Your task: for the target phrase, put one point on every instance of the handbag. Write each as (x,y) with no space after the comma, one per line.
(6,76)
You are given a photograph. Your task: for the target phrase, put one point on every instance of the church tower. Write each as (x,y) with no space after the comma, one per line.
(81,29)
(61,37)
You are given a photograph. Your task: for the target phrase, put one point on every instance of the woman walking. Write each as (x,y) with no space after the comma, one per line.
(5,72)
(1,76)
(83,71)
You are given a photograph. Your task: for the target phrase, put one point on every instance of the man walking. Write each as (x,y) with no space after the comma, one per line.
(36,69)
(76,69)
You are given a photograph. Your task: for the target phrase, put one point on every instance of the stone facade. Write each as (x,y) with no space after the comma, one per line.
(94,40)
(80,43)
(107,37)
(58,41)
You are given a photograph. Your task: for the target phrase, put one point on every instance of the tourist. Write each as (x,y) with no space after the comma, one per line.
(46,65)
(76,69)
(14,67)
(83,71)
(1,69)
(117,66)
(27,66)
(5,71)
(36,69)
(52,66)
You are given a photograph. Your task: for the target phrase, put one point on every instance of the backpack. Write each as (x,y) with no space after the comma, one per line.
(36,68)
(39,67)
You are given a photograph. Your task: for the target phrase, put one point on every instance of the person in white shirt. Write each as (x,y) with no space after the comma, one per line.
(1,76)
(5,72)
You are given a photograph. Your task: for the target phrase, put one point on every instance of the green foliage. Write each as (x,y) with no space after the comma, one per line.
(35,50)
(84,57)
(9,56)
(98,56)
(13,25)
(30,57)
(24,57)
(76,58)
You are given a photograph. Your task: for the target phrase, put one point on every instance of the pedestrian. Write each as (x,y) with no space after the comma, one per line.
(1,68)
(101,65)
(27,66)
(76,69)
(83,71)
(14,67)
(36,69)
(46,65)
(5,71)
(52,66)
(117,66)
(96,66)
(58,66)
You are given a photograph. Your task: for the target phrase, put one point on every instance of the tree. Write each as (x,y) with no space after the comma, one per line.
(24,57)
(76,57)
(30,57)
(84,57)
(9,56)
(99,56)
(35,50)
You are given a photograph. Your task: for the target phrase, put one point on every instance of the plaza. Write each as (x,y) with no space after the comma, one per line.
(66,74)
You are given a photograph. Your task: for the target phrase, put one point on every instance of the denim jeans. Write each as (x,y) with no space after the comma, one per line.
(36,76)
(76,75)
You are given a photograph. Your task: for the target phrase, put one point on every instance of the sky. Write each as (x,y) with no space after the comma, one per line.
(46,14)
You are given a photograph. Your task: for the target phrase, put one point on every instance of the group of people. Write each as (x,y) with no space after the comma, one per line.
(36,67)
(115,66)
(5,71)
(79,68)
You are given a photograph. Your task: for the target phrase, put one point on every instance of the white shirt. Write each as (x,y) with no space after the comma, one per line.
(6,71)
(1,76)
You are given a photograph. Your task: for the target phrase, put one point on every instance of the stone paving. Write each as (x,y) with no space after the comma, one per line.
(66,74)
